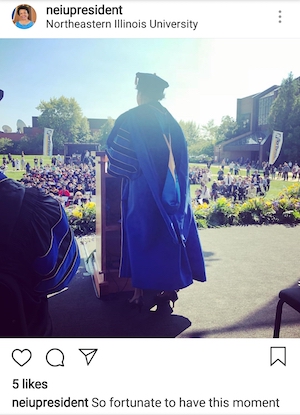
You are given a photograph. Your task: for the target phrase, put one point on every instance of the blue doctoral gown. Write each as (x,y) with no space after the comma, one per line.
(160,243)
(37,246)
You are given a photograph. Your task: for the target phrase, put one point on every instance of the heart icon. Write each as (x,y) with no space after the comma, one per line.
(21,356)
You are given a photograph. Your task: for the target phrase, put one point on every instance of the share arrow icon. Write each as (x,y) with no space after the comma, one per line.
(88,354)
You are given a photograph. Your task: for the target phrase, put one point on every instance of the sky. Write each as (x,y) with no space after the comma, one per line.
(206,76)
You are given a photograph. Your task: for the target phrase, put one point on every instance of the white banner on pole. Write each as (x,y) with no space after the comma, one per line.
(276,144)
(48,145)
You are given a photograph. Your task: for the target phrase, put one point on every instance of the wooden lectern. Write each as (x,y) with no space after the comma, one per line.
(108,231)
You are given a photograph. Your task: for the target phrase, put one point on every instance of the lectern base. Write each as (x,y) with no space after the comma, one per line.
(108,232)
(110,283)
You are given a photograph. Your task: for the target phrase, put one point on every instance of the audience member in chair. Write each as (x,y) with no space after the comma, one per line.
(38,249)
(79,199)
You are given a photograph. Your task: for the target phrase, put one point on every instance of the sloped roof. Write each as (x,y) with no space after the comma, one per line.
(263,93)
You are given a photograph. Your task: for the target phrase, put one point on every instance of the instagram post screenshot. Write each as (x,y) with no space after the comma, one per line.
(149,207)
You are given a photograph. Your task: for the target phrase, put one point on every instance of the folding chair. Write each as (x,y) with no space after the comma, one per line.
(290,296)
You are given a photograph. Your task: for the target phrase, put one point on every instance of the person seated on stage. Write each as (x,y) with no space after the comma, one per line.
(38,250)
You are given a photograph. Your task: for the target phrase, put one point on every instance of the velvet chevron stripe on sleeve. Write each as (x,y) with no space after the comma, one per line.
(61,260)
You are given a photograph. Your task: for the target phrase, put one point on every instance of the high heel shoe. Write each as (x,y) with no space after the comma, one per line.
(137,303)
(167,296)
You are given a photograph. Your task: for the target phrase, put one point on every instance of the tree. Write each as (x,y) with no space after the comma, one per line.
(201,148)
(209,131)
(6,145)
(31,145)
(202,139)
(64,115)
(102,135)
(227,129)
(191,131)
(199,139)
(83,134)
(285,117)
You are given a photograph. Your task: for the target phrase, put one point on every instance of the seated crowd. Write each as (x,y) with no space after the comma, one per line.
(237,188)
(199,175)
(70,184)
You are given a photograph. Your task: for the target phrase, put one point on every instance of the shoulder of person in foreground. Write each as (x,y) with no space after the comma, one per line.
(56,253)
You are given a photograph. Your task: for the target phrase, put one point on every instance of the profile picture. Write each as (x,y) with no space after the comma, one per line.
(24,16)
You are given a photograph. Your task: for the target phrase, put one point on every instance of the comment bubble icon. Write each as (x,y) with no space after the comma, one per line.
(55,357)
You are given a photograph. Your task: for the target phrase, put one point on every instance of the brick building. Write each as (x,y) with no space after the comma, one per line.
(94,123)
(255,140)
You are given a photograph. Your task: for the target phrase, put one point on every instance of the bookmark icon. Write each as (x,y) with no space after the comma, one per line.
(278,354)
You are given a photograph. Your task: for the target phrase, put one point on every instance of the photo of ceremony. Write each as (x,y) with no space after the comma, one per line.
(149,188)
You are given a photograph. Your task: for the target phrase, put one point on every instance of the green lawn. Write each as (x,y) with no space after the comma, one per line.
(16,175)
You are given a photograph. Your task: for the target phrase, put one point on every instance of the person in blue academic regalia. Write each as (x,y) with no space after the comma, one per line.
(161,249)
(38,252)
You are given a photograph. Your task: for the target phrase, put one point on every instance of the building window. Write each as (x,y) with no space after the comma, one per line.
(244,121)
(264,107)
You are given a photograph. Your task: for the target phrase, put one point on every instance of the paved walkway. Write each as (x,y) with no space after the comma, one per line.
(246,268)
